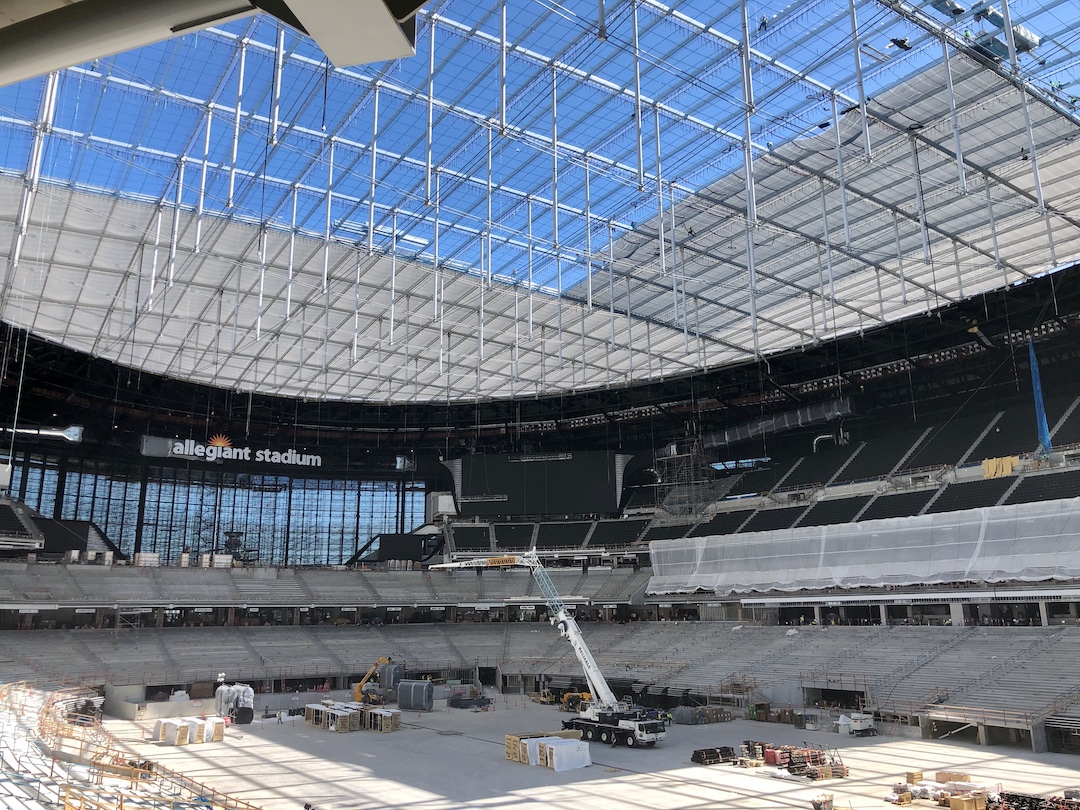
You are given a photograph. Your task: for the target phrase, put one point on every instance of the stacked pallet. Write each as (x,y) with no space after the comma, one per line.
(713,756)
(812,763)
(699,715)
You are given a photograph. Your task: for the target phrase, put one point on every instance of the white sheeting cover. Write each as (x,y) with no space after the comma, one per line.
(566,755)
(1021,543)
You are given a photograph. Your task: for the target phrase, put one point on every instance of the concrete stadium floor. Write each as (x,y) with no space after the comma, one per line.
(455,759)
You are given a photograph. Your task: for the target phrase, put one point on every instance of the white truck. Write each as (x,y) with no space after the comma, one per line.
(604,717)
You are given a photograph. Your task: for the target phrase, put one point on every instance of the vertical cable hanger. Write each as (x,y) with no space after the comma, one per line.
(325,90)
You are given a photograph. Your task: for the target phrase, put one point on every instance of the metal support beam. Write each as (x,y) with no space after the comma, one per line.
(374,153)
(637,98)
(855,45)
(46,112)
(957,146)
(748,111)
(840,170)
(275,104)
(430,112)
(236,124)
(588,240)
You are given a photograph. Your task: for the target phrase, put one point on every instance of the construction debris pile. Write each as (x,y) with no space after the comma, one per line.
(957,791)
(947,789)
(1022,801)
(787,761)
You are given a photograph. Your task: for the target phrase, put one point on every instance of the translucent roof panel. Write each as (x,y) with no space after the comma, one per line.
(540,200)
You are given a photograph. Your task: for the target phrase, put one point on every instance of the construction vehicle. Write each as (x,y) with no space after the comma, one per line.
(862,725)
(602,717)
(545,697)
(571,701)
(359,695)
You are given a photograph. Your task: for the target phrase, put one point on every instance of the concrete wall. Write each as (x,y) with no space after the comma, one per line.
(129,703)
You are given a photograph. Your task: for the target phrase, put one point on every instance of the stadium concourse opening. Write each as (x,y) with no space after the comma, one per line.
(750,327)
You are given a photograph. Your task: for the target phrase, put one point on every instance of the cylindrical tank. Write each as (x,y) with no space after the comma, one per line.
(418,695)
(390,674)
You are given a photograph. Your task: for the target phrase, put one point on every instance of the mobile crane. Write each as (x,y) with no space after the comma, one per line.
(603,717)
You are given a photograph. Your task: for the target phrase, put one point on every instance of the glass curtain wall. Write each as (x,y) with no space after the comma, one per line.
(271,519)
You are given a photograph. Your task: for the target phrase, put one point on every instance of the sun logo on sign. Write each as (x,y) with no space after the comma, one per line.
(220,440)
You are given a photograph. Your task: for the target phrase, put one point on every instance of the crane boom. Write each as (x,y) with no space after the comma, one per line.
(558,615)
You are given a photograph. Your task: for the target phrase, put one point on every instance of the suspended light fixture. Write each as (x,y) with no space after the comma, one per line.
(73,434)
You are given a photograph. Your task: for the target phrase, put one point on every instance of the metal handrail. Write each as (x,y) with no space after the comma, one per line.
(970,714)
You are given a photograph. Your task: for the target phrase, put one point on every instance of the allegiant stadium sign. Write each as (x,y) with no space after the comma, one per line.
(220,448)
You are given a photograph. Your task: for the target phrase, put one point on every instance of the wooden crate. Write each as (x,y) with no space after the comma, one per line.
(515,743)
(175,732)
(380,721)
(951,776)
(513,748)
(339,721)
(217,729)
(913,777)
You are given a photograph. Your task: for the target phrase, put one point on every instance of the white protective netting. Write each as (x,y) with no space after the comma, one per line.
(1023,543)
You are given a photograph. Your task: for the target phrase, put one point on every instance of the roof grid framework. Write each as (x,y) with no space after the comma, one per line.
(206,208)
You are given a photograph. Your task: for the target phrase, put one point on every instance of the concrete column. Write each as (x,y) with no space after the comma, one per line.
(926,728)
(956,613)
(1038,738)
(817,614)
(296,616)
(984,735)
(1074,610)
(1044,614)
(159,617)
(230,618)
(843,613)
(884,611)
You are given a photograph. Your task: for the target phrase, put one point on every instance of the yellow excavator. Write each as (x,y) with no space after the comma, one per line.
(358,690)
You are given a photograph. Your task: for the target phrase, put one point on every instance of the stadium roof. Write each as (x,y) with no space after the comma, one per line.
(525,207)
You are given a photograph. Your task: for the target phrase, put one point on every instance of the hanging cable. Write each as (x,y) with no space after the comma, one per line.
(18,398)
